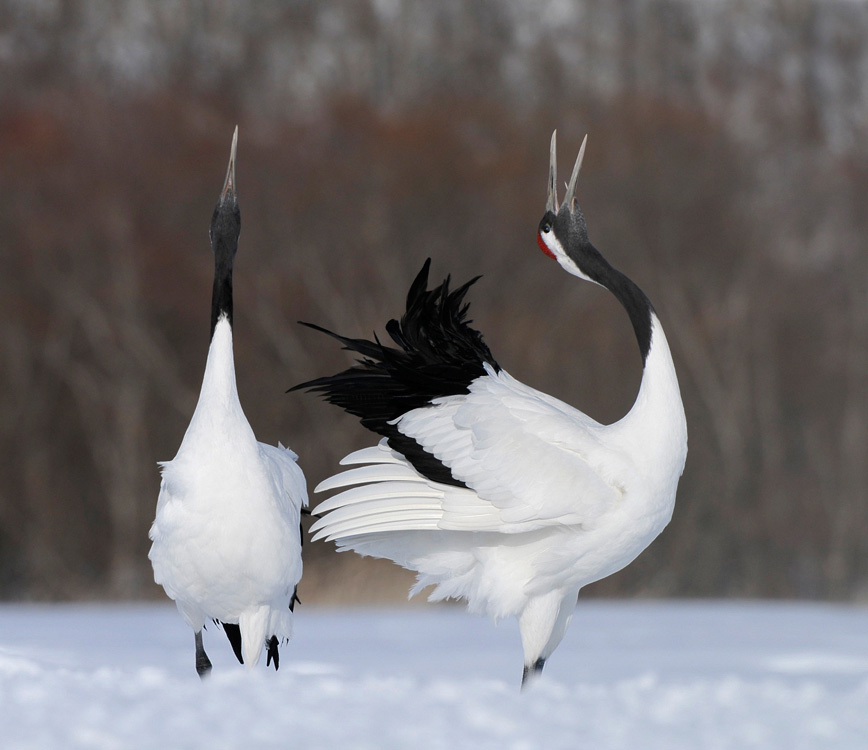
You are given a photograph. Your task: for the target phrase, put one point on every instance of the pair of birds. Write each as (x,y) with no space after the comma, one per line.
(492,491)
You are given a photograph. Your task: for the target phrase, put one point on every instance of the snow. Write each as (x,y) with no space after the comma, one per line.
(642,675)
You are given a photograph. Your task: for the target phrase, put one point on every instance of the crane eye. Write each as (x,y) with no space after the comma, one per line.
(547,227)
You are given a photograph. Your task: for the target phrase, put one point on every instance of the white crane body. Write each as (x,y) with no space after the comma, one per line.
(492,491)
(226,540)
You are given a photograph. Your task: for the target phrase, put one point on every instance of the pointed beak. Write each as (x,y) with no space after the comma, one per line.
(552,202)
(228,192)
(570,197)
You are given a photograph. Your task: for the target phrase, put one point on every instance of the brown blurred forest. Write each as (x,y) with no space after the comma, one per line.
(726,172)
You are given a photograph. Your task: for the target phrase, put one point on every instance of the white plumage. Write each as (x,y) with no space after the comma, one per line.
(226,538)
(540,499)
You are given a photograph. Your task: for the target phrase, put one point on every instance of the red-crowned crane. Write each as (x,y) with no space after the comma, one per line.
(491,490)
(226,537)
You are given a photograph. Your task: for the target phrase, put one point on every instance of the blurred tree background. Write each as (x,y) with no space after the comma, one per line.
(727,173)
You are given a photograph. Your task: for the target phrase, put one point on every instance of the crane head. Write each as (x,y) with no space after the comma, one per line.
(562,232)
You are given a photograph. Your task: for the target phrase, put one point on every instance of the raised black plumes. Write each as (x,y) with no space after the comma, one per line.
(439,355)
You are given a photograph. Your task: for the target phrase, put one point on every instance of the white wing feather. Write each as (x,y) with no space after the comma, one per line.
(529,462)
(537,461)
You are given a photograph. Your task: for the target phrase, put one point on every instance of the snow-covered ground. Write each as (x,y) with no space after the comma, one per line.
(629,675)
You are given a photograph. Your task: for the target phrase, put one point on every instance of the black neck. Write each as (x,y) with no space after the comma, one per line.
(221,297)
(637,305)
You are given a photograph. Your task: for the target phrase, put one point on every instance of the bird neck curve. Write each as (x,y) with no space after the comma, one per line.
(596,268)
(221,295)
(656,422)
(655,425)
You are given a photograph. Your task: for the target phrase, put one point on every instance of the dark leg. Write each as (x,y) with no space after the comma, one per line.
(272,652)
(532,671)
(203,663)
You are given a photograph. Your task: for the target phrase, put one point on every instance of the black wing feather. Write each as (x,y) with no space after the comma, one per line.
(438,354)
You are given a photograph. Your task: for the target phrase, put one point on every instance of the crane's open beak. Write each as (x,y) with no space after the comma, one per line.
(552,202)
(570,197)
(229,186)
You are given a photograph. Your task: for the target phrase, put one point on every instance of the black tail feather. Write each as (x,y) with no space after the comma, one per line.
(233,633)
(439,355)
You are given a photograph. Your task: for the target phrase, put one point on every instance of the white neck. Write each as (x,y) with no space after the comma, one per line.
(219,378)
(218,413)
(656,425)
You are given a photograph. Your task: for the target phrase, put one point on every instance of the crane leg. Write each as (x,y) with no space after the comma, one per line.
(203,663)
